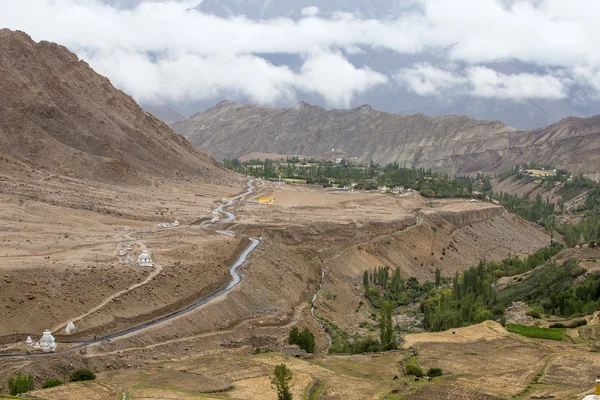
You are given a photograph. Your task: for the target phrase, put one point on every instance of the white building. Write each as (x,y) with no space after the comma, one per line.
(144,259)
(47,342)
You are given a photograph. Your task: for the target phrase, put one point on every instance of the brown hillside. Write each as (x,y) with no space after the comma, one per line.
(450,143)
(57,114)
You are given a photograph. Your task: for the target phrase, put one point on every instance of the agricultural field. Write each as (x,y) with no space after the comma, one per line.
(79,391)
(248,377)
(536,332)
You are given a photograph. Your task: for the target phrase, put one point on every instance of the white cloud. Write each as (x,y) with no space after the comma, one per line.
(166,51)
(336,79)
(310,11)
(478,81)
(489,83)
(427,80)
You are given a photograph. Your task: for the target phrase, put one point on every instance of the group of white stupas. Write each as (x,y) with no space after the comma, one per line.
(47,343)
(169,224)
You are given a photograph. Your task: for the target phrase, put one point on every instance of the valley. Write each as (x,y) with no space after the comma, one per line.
(170,276)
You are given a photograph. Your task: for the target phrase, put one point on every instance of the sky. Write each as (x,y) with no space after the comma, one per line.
(168,52)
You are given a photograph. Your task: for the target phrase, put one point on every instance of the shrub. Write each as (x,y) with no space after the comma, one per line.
(558,325)
(534,313)
(256,351)
(415,370)
(82,375)
(578,323)
(20,384)
(48,383)
(433,372)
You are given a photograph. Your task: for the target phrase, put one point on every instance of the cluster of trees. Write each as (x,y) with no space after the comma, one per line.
(587,230)
(557,290)
(430,184)
(472,298)
(383,285)
(515,265)
(20,384)
(469,301)
(305,339)
(536,210)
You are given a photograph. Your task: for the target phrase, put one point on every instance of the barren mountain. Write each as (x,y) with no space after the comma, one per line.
(57,114)
(450,143)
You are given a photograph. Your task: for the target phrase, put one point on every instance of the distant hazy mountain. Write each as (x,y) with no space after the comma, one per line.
(164,113)
(450,143)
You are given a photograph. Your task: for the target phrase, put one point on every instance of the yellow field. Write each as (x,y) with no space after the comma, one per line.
(79,391)
(248,377)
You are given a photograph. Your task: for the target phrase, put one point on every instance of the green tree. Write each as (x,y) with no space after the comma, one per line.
(387,336)
(307,341)
(366,280)
(20,384)
(281,382)
(438,277)
(294,336)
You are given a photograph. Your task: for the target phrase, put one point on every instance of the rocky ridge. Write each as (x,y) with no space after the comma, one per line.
(452,143)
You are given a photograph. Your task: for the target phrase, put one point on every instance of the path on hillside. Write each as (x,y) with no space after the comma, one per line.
(157,270)
(204,300)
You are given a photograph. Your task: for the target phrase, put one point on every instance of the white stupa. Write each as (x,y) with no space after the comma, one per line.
(29,341)
(144,259)
(37,346)
(70,328)
(596,395)
(47,342)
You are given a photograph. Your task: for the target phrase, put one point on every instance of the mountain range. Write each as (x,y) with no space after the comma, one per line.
(58,115)
(452,143)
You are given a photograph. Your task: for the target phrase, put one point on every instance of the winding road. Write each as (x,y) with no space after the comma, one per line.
(236,279)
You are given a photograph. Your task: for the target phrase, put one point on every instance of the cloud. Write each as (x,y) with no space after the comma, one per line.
(478,81)
(310,11)
(489,83)
(165,50)
(336,79)
(427,80)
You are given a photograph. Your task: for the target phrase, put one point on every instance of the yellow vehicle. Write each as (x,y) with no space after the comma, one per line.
(269,201)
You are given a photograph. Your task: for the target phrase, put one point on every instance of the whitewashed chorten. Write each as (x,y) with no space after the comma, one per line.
(144,259)
(47,342)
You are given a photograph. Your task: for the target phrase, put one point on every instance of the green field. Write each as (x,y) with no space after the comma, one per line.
(535,332)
